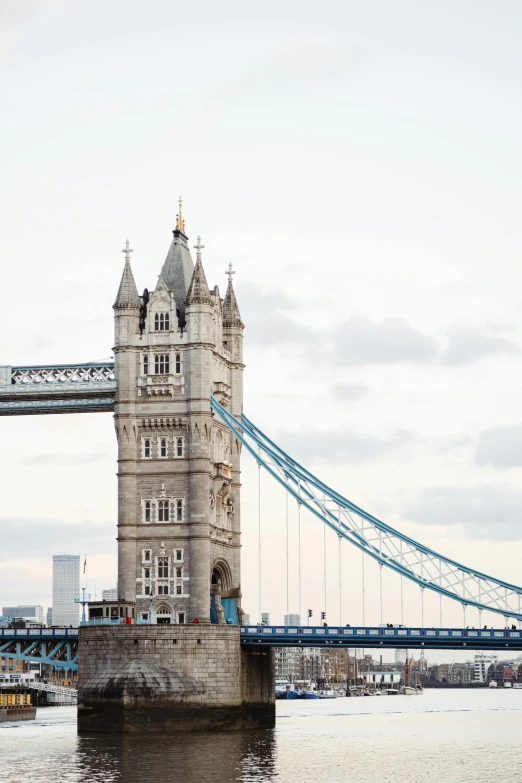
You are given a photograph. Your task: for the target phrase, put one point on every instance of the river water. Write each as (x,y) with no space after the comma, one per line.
(443,736)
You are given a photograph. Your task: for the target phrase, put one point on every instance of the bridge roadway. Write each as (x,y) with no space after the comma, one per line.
(59,646)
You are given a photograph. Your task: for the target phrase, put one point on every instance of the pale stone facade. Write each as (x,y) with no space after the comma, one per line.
(178,468)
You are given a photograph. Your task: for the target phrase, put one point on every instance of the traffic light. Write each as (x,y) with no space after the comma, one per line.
(310,613)
(323,615)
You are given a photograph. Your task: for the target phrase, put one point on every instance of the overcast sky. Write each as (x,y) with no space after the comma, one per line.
(359,164)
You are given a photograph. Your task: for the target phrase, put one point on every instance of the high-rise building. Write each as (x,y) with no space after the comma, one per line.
(33,612)
(482,663)
(50,616)
(265,618)
(291,619)
(66,589)
(110,595)
(246,619)
(400,656)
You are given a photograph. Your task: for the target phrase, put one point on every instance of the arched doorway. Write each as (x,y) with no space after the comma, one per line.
(223,600)
(163,614)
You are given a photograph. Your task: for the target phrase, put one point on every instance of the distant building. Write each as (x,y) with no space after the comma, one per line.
(246,619)
(287,663)
(291,619)
(400,657)
(481,666)
(382,678)
(66,589)
(311,664)
(50,616)
(110,595)
(33,612)
(265,618)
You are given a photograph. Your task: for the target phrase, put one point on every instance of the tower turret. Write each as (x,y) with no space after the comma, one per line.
(178,267)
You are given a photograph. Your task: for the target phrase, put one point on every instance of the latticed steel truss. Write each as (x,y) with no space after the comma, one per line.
(73,388)
(60,653)
(387,546)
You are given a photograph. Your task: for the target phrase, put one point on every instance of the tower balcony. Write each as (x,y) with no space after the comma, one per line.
(223,392)
(167,385)
(223,470)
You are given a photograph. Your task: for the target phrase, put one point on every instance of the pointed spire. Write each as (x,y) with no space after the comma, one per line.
(231,314)
(198,292)
(180,223)
(127,292)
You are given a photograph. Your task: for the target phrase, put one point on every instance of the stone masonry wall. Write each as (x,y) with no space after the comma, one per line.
(161,678)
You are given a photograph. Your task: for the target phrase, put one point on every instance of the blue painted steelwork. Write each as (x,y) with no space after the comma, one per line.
(73,388)
(361,637)
(425,567)
(57,647)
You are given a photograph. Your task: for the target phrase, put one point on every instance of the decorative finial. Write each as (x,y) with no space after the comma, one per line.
(230,273)
(198,248)
(180,223)
(127,250)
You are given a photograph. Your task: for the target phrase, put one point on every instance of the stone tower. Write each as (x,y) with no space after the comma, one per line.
(178,468)
(178,520)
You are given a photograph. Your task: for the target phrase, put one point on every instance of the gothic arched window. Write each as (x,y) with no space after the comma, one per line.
(161,363)
(146,573)
(146,448)
(178,363)
(179,511)
(179,447)
(163,447)
(147,511)
(163,511)
(145,365)
(163,568)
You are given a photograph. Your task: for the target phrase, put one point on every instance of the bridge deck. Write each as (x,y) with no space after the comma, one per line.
(58,645)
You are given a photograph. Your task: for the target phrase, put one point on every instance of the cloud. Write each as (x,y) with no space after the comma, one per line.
(363,341)
(63,460)
(485,512)
(500,446)
(40,537)
(466,345)
(359,340)
(268,323)
(340,445)
(349,391)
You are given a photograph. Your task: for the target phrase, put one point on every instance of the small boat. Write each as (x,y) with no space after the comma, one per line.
(517,686)
(327,695)
(309,695)
(286,693)
(508,684)
(409,690)
(493,684)
(391,692)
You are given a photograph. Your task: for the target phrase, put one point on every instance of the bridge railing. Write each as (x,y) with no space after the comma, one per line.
(357,633)
(18,633)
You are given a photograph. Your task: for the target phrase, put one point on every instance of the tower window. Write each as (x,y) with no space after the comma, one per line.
(146,448)
(147,592)
(163,511)
(146,573)
(178,589)
(147,517)
(161,363)
(161,322)
(146,555)
(179,573)
(179,511)
(179,447)
(163,447)
(178,363)
(163,568)
(163,589)
(179,554)
(145,365)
